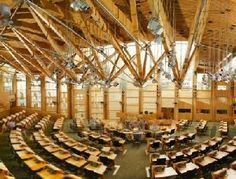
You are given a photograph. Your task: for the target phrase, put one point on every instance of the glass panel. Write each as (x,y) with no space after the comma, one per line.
(21,89)
(36,93)
(64,100)
(96,94)
(51,95)
(115,95)
(79,101)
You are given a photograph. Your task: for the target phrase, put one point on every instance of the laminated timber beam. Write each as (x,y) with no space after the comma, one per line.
(62,35)
(136,32)
(121,69)
(56,47)
(150,73)
(168,39)
(10,60)
(38,63)
(195,34)
(122,19)
(113,40)
(23,59)
(86,32)
(23,68)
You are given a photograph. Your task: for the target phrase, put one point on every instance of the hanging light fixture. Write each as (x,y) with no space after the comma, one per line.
(155,27)
(5,14)
(79,5)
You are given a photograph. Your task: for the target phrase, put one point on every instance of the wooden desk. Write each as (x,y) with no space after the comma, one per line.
(109,155)
(45,142)
(52,148)
(63,139)
(190,152)
(80,147)
(70,143)
(50,172)
(106,139)
(173,157)
(21,146)
(5,174)
(76,161)
(229,148)
(92,151)
(70,176)
(25,154)
(232,143)
(36,163)
(62,154)
(16,140)
(206,161)
(231,174)
(218,154)
(168,172)
(99,169)
(189,167)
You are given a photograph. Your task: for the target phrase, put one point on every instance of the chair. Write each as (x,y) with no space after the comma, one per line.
(137,137)
(170,144)
(192,137)
(155,145)
(148,134)
(123,136)
(194,154)
(160,161)
(172,131)
(106,161)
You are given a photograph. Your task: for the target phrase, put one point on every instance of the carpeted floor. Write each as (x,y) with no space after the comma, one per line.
(132,164)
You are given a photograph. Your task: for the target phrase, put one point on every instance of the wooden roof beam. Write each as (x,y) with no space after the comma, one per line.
(9,60)
(23,68)
(52,42)
(39,63)
(85,30)
(136,32)
(113,40)
(150,73)
(168,39)
(195,34)
(110,8)
(62,35)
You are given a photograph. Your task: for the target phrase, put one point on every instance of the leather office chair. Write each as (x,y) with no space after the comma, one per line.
(155,145)
(160,161)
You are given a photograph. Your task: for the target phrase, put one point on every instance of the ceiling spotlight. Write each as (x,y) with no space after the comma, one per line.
(79,5)
(155,27)
(5,14)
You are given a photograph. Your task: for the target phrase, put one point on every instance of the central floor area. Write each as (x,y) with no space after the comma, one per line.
(133,163)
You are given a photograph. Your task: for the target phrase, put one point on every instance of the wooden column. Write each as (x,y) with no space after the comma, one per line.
(106,104)
(88,104)
(58,111)
(194,93)
(140,101)
(70,100)
(176,103)
(28,92)
(194,96)
(123,102)
(14,90)
(158,97)
(213,110)
(230,99)
(43,94)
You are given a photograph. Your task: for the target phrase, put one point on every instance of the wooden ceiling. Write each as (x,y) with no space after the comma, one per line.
(43,31)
